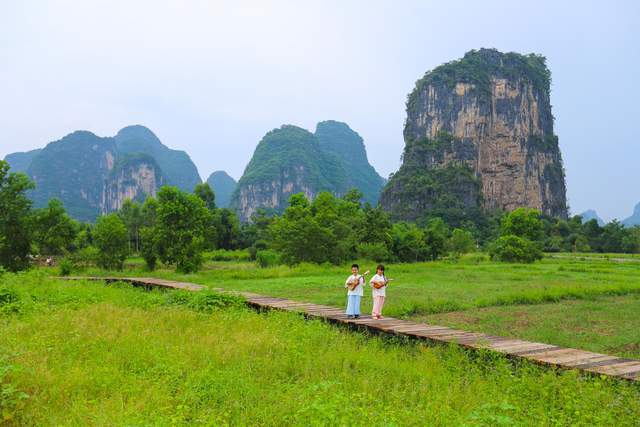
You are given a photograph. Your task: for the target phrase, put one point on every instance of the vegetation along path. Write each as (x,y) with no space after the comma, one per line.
(545,354)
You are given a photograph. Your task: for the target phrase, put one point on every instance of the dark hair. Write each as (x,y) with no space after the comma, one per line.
(380,267)
(356,266)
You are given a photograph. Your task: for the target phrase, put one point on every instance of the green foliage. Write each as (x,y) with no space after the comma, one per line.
(84,257)
(348,149)
(512,248)
(149,247)
(377,252)
(12,400)
(227,228)
(461,242)
(181,222)
(523,222)
(287,148)
(268,258)
(478,66)
(66,266)
(15,227)
(229,255)
(131,215)
(111,239)
(206,194)
(54,232)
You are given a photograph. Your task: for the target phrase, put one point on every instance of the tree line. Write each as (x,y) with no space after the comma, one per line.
(177,227)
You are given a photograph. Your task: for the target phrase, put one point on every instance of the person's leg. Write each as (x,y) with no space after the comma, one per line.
(350,305)
(376,306)
(380,305)
(356,311)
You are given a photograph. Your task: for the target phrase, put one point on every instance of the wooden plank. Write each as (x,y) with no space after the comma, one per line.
(616,368)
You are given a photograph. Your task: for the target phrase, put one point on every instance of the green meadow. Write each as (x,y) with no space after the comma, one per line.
(583,302)
(87,353)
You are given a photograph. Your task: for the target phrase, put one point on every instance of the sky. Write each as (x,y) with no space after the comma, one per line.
(212,77)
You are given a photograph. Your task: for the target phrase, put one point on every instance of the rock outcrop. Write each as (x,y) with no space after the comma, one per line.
(479,135)
(134,176)
(223,186)
(287,160)
(94,175)
(176,165)
(291,160)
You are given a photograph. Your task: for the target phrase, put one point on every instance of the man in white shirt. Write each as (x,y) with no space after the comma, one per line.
(355,286)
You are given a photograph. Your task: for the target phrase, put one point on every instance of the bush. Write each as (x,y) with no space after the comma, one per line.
(511,248)
(66,266)
(10,301)
(84,257)
(148,247)
(461,242)
(112,241)
(230,255)
(268,258)
(377,252)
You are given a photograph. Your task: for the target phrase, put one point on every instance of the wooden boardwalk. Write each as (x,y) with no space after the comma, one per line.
(544,354)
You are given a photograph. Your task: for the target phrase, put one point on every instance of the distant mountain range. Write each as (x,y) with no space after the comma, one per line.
(93,175)
(590,214)
(222,185)
(634,219)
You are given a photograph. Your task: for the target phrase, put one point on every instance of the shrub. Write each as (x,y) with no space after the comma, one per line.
(461,242)
(511,248)
(66,266)
(84,257)
(377,252)
(148,247)
(268,258)
(112,241)
(10,301)
(230,255)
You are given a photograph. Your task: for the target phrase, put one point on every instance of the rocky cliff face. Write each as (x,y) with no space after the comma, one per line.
(288,160)
(176,165)
(479,133)
(223,186)
(90,174)
(134,177)
(291,160)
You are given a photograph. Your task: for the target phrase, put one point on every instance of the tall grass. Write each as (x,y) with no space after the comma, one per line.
(90,354)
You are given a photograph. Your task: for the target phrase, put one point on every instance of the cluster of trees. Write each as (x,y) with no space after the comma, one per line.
(176,227)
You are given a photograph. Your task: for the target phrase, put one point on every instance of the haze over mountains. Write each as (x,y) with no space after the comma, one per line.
(93,175)
(479,135)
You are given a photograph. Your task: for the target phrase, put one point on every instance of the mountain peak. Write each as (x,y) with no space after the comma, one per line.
(137,131)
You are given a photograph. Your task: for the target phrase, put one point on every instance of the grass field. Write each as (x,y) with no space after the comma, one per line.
(587,303)
(79,353)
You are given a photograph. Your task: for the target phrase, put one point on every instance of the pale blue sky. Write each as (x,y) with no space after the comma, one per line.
(211,77)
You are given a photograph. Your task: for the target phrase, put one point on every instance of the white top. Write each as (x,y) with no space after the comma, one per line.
(382,292)
(359,290)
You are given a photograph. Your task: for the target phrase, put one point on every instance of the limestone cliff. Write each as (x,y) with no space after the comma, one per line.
(89,174)
(479,134)
(288,160)
(134,177)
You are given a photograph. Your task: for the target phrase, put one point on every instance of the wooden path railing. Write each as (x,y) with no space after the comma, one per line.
(545,354)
